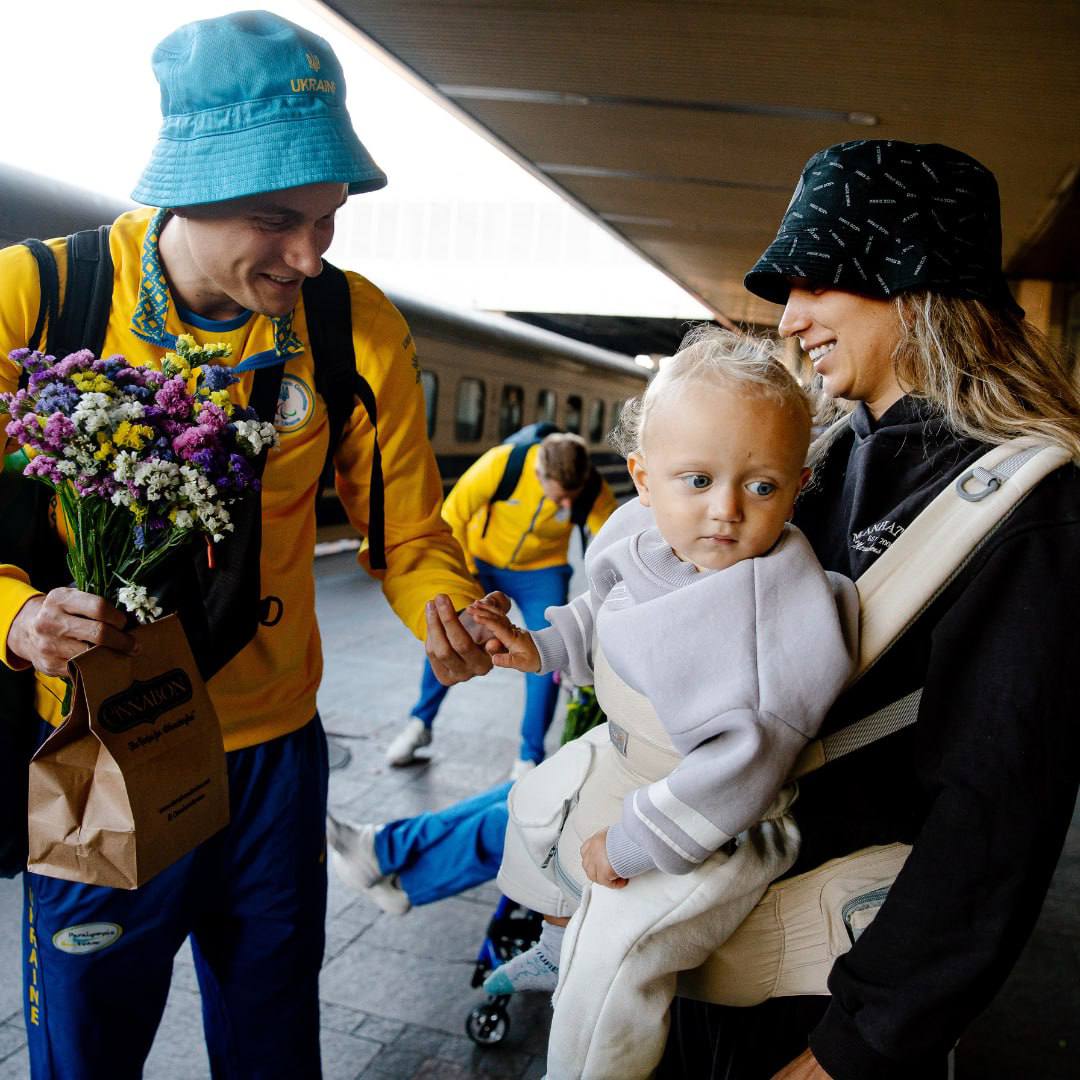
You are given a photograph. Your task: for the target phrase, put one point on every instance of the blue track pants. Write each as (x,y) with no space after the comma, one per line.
(533,591)
(445,852)
(97,962)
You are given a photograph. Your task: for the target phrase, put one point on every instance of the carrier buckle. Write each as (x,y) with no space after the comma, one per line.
(990,481)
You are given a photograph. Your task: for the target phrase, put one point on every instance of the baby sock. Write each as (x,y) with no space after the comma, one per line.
(534,969)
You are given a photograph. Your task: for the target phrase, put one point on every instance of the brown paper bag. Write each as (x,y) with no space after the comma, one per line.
(135,777)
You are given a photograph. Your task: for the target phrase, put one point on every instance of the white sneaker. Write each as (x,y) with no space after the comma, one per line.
(521,767)
(412,736)
(352,855)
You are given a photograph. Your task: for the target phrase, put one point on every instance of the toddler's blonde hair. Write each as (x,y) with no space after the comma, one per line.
(748,365)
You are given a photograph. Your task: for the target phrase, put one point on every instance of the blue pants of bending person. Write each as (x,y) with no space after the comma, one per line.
(444,852)
(534,591)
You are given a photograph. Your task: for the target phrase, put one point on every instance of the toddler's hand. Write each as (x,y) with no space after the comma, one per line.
(510,647)
(594,861)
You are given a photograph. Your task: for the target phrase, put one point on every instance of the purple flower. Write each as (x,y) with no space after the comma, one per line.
(26,431)
(59,429)
(103,486)
(58,398)
(110,367)
(30,361)
(44,468)
(243,476)
(173,398)
(217,377)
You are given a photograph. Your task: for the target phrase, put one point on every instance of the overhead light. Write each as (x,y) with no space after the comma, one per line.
(744,108)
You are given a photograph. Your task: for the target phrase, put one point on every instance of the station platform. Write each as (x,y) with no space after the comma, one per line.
(395,989)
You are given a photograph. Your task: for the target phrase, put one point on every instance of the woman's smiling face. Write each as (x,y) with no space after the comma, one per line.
(850,340)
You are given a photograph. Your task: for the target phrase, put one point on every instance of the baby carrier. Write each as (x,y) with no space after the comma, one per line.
(790,939)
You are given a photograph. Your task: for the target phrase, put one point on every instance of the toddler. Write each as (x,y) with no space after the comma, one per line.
(716,643)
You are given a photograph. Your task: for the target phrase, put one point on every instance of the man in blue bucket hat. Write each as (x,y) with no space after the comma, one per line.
(255,156)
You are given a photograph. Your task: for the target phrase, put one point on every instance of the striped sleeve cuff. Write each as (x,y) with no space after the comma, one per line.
(554,656)
(627,858)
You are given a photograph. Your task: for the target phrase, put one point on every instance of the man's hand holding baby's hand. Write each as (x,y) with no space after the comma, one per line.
(595,863)
(509,647)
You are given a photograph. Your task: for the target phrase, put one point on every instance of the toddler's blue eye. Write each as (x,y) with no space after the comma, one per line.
(698,481)
(761,487)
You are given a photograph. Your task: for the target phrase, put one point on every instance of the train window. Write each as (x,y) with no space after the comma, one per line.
(573,414)
(469,415)
(511,410)
(596,420)
(429,383)
(545,405)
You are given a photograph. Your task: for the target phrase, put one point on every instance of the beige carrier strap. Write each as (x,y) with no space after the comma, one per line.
(934,548)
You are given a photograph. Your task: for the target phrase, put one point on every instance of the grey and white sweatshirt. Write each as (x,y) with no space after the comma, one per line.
(740,664)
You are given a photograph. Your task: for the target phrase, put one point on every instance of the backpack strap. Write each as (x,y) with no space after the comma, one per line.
(515,464)
(917,568)
(84,317)
(82,321)
(328,304)
(49,290)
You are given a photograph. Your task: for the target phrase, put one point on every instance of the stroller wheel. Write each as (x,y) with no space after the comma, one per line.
(488,1023)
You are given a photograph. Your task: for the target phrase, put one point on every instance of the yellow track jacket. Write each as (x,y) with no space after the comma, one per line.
(268,689)
(526,531)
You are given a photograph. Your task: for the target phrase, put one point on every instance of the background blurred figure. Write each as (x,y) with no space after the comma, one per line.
(513,512)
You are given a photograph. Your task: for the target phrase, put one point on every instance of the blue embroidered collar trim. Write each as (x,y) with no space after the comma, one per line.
(152,306)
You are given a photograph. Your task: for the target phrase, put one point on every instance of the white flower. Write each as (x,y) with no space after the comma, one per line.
(92,413)
(253,435)
(135,599)
(160,478)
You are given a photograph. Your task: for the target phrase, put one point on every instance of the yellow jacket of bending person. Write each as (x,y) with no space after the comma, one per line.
(527,531)
(268,689)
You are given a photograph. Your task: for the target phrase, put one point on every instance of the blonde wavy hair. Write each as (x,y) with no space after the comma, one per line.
(751,365)
(992,375)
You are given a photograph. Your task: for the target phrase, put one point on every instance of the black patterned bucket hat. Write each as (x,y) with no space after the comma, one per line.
(879,217)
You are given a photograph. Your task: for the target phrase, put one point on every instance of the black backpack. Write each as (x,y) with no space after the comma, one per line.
(220,608)
(521,442)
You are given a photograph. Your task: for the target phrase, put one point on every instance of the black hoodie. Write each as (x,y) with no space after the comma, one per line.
(983,785)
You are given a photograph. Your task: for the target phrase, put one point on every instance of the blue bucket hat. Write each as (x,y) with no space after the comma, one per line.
(250,103)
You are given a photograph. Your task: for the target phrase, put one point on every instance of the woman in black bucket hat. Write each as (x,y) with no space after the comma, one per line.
(888,262)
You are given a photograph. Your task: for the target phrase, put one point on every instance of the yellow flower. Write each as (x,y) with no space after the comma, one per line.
(132,435)
(88,382)
(221,398)
(105,448)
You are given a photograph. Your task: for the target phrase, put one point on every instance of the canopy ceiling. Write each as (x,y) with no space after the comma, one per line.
(682,126)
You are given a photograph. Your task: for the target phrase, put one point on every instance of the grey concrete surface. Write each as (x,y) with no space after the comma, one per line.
(395,990)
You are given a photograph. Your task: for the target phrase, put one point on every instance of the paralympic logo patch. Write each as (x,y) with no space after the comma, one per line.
(296,403)
(87,937)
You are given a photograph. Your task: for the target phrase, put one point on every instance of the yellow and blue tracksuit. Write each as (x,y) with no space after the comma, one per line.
(253,898)
(520,549)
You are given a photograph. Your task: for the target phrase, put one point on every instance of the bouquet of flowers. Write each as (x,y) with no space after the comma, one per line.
(142,459)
